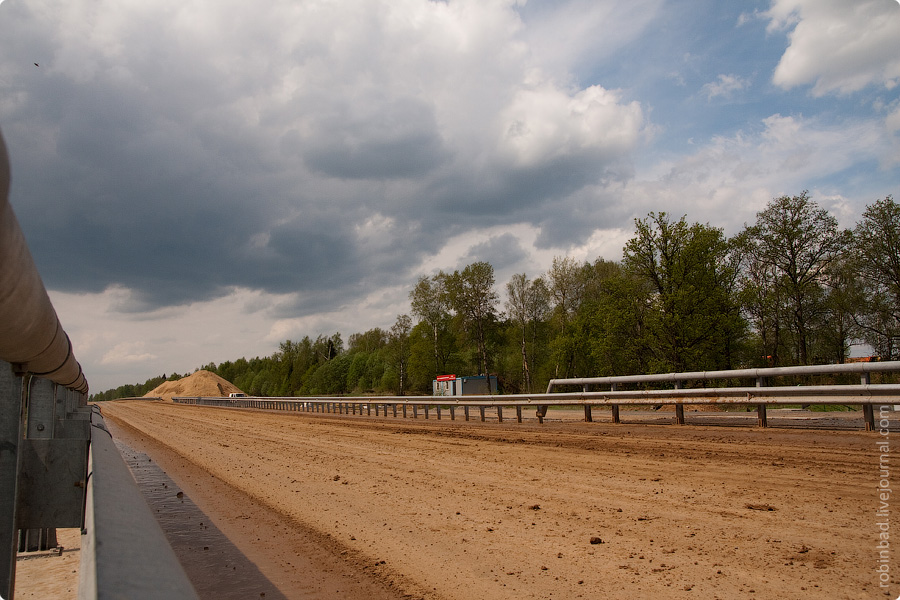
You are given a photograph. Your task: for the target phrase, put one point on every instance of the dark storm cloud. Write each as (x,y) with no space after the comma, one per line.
(182,157)
(558,196)
(502,251)
(397,139)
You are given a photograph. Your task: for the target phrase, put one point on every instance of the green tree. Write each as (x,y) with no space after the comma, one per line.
(470,294)
(764,304)
(527,304)
(613,322)
(797,241)
(844,306)
(428,301)
(877,249)
(400,349)
(693,319)
(370,341)
(565,282)
(421,359)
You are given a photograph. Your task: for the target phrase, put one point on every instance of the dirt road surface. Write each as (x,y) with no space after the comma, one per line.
(461,510)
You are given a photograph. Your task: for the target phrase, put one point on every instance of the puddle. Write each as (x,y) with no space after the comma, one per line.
(215,566)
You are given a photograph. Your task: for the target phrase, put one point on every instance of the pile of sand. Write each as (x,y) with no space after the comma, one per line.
(201,383)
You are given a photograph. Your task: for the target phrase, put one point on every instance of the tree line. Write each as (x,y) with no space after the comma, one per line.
(793,288)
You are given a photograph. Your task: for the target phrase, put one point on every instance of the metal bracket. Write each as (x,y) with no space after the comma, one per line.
(51,483)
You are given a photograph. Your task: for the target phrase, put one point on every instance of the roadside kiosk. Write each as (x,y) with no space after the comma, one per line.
(451,385)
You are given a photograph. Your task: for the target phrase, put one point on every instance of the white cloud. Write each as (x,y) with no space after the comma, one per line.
(563,35)
(893,120)
(127,352)
(727,180)
(839,46)
(547,123)
(115,347)
(725,86)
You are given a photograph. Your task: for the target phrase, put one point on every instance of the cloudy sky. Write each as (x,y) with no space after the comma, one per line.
(199,180)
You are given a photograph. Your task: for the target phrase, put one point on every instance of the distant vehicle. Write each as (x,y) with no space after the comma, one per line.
(237,395)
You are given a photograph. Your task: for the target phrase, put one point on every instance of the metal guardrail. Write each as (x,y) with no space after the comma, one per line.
(864,369)
(45,436)
(865,394)
(43,433)
(31,335)
(124,553)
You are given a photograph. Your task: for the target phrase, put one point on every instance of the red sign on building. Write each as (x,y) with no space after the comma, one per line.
(446,377)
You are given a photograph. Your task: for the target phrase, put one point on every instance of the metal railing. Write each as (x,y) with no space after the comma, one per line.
(124,553)
(53,464)
(760,395)
(31,335)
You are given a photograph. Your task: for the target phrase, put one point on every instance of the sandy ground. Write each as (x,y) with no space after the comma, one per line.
(50,573)
(455,510)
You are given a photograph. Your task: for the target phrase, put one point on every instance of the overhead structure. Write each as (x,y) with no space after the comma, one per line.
(31,336)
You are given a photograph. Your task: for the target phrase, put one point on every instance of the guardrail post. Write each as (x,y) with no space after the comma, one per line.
(415,411)
(11,387)
(499,414)
(615,407)
(481,408)
(452,413)
(588,417)
(40,408)
(404,411)
(518,414)
(679,408)
(466,411)
(868,409)
(761,418)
